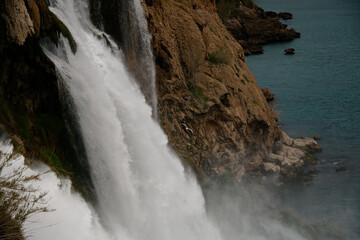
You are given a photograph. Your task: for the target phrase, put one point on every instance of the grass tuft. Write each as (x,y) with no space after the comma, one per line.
(197,91)
(220,56)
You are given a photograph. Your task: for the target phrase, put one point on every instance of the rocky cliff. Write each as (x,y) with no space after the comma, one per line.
(204,83)
(210,104)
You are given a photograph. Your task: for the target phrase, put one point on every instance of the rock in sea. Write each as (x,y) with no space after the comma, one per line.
(289,51)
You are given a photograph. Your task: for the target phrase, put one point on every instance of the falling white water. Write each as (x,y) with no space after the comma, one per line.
(143,191)
(72,218)
(146,58)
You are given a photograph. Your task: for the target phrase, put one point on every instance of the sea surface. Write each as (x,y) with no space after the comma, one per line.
(317,92)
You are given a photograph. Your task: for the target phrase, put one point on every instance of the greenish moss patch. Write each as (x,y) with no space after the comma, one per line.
(197,91)
(310,159)
(226,177)
(60,28)
(200,174)
(220,56)
(53,161)
(247,79)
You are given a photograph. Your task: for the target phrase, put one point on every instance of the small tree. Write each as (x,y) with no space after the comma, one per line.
(18,198)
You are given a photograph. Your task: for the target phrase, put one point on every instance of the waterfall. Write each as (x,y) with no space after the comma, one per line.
(142,189)
(145,55)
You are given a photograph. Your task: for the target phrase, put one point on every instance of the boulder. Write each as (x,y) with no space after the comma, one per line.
(271,14)
(289,51)
(268,94)
(291,155)
(317,138)
(285,15)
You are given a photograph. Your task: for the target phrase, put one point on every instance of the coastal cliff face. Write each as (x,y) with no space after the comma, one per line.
(203,82)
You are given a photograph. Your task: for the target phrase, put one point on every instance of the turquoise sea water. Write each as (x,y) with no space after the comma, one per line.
(317,92)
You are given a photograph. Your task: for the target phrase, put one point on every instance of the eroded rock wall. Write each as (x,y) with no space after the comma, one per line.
(204,84)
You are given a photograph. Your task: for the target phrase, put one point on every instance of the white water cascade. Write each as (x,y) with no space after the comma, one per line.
(146,54)
(142,188)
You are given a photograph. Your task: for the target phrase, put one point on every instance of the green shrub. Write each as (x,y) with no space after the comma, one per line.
(220,56)
(197,91)
(18,198)
(53,161)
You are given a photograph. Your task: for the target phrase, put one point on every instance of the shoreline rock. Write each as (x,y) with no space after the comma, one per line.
(291,155)
(269,96)
(253,27)
(289,51)
(285,15)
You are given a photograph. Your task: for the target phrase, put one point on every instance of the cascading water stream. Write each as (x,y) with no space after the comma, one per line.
(143,190)
(146,55)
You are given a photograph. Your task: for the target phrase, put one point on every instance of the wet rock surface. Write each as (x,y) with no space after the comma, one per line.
(291,155)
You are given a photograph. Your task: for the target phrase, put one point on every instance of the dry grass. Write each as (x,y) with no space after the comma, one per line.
(19,199)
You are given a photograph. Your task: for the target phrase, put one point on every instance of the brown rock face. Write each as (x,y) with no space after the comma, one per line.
(18,22)
(204,83)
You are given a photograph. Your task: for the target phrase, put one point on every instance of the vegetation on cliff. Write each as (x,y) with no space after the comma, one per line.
(18,199)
